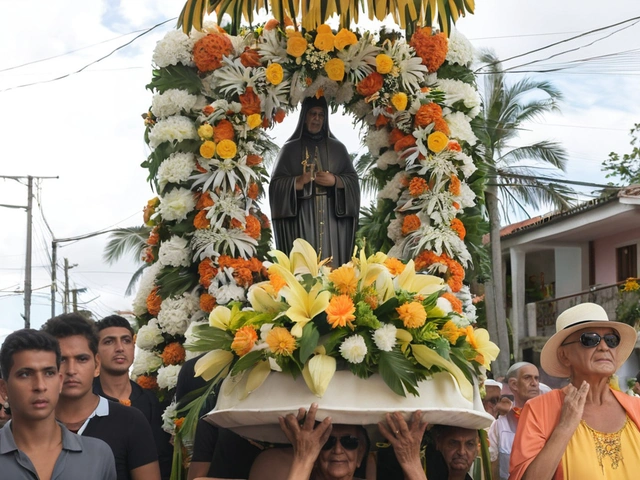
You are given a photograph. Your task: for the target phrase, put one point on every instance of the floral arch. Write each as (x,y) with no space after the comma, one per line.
(215,96)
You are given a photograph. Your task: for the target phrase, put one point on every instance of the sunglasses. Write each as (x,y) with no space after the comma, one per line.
(348,442)
(592,339)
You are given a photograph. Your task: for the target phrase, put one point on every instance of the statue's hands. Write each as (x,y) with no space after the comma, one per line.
(326,179)
(302,180)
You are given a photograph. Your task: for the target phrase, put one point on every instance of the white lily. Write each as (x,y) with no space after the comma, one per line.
(212,364)
(256,378)
(318,372)
(220,317)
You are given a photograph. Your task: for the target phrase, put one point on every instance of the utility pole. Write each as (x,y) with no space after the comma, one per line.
(54,276)
(27,273)
(65,304)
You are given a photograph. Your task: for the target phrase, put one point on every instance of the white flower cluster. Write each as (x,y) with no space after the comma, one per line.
(385,337)
(175,47)
(456,91)
(168,376)
(176,169)
(393,188)
(176,128)
(175,313)
(175,252)
(460,127)
(149,335)
(144,288)
(377,140)
(145,362)
(176,204)
(172,102)
(390,157)
(168,417)
(225,289)
(460,49)
(353,349)
(189,339)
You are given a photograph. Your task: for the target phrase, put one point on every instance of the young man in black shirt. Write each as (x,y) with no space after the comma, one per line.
(123,428)
(116,348)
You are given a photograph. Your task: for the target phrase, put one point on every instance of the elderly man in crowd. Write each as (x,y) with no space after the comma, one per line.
(491,398)
(523,379)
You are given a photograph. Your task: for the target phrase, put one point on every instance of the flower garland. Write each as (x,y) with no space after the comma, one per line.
(215,96)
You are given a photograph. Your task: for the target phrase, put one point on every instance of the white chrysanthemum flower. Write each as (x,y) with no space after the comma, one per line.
(468,167)
(145,362)
(174,48)
(460,49)
(147,283)
(361,109)
(176,169)
(390,157)
(467,197)
(149,335)
(393,188)
(460,127)
(170,129)
(456,91)
(175,252)
(444,305)
(168,376)
(353,349)
(377,140)
(225,289)
(172,102)
(345,93)
(176,204)
(394,230)
(385,337)
(176,313)
(168,416)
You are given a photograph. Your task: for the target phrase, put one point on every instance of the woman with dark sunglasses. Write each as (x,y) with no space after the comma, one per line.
(326,451)
(587,429)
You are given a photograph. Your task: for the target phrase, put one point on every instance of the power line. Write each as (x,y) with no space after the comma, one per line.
(93,62)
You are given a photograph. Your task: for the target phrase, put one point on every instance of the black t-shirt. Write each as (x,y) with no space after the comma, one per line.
(128,434)
(147,402)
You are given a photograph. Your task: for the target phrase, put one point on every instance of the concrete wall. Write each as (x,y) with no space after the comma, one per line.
(568,270)
(605,258)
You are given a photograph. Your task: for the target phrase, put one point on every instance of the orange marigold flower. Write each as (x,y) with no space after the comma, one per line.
(371,300)
(201,221)
(431,48)
(441,126)
(454,185)
(204,201)
(243,276)
(250,102)
(250,57)
(252,227)
(417,186)
(276,281)
(453,146)
(147,382)
(254,265)
(427,114)
(395,135)
(208,110)
(405,142)
(207,271)
(173,354)
(223,131)
(280,341)
(370,84)
(410,223)
(154,237)
(456,304)
(395,266)
(244,340)
(412,314)
(178,422)
(344,279)
(207,302)
(451,332)
(153,302)
(209,50)
(340,311)
(458,227)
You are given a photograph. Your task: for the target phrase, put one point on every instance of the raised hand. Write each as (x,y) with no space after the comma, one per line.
(573,406)
(406,440)
(306,437)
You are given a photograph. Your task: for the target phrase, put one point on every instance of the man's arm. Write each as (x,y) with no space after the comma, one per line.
(150,471)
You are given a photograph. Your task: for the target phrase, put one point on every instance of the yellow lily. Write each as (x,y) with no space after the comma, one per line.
(318,372)
(257,376)
(220,317)
(404,339)
(304,258)
(264,299)
(428,358)
(410,281)
(371,268)
(480,342)
(303,305)
(213,363)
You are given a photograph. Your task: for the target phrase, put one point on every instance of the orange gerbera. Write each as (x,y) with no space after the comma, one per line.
(244,340)
(340,311)
(431,48)
(412,314)
(252,227)
(147,382)
(427,114)
(458,227)
(280,341)
(454,185)
(153,302)
(209,50)
(207,302)
(410,223)
(173,354)
(395,266)
(417,186)
(344,279)
(456,304)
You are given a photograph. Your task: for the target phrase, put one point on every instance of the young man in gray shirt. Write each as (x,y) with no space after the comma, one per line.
(32,443)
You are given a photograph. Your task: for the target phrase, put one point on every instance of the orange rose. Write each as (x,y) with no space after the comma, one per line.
(250,57)
(250,102)
(370,84)
(223,131)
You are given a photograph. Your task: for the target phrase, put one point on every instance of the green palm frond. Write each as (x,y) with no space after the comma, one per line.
(126,240)
(134,279)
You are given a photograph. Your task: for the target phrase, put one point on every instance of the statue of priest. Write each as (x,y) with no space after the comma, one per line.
(314,192)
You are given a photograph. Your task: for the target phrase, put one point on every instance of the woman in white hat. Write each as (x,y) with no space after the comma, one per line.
(585,430)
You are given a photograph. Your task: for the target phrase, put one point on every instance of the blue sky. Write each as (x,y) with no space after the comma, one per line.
(87,129)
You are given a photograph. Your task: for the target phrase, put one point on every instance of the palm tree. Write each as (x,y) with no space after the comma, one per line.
(512,185)
(131,240)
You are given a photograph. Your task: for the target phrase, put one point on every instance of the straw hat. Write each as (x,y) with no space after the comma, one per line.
(584,315)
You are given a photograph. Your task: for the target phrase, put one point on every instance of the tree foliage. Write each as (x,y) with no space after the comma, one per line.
(625,168)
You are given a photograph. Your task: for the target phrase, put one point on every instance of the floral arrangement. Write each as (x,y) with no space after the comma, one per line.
(215,96)
(372,315)
(628,308)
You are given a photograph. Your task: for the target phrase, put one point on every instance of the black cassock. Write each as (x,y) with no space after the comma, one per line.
(326,217)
